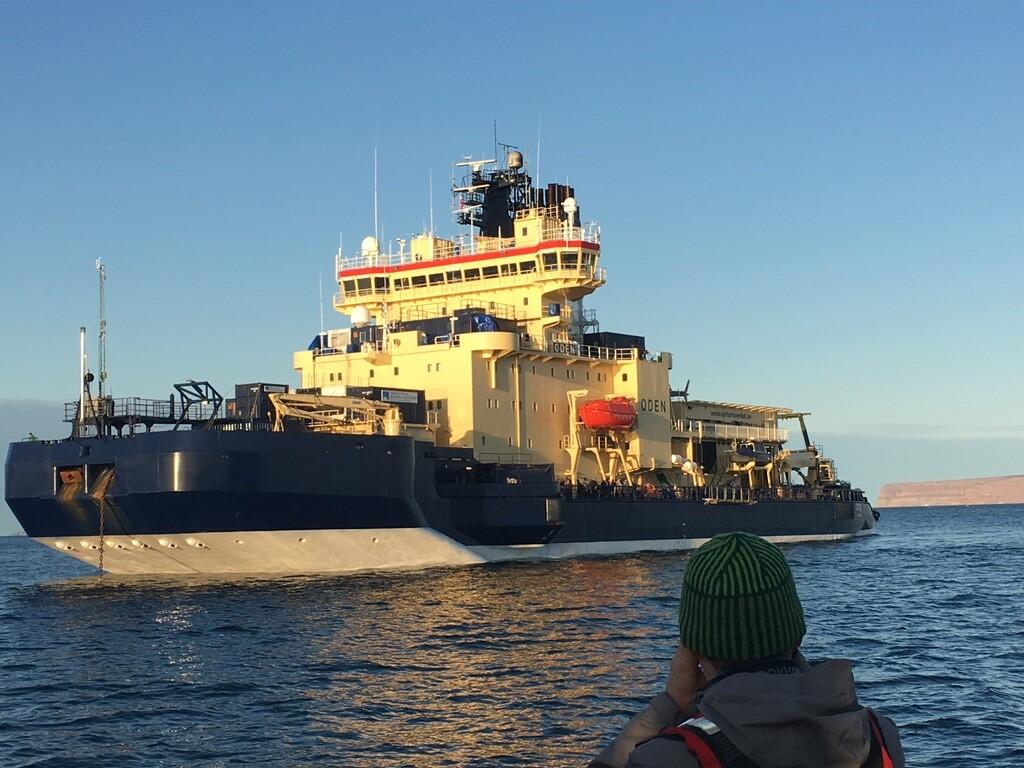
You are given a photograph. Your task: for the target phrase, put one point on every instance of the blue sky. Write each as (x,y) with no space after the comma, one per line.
(811,204)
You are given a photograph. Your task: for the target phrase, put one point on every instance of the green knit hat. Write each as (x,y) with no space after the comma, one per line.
(739,601)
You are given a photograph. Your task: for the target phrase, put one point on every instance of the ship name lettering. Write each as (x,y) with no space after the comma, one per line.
(649,405)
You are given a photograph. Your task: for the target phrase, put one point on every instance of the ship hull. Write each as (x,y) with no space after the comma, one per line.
(262,502)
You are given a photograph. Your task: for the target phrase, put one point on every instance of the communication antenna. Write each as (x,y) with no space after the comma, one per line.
(320,274)
(431,183)
(81,380)
(102,270)
(540,179)
(376,227)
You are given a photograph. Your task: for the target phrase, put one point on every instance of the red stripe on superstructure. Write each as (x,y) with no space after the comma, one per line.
(357,271)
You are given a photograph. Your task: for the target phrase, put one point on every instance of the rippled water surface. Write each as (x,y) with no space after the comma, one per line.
(507,665)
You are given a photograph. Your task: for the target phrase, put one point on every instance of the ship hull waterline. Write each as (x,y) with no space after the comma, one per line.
(669,526)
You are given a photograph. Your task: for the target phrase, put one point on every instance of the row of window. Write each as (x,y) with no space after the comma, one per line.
(550,262)
(494,403)
(511,443)
(570,373)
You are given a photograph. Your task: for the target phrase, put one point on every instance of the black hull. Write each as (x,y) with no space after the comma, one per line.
(217,484)
(592,521)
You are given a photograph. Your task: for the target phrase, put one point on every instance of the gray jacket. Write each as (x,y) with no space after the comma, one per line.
(809,719)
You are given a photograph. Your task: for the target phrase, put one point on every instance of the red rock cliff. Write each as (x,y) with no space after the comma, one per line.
(948,493)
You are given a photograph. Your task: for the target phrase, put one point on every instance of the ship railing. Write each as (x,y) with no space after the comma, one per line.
(604,491)
(128,407)
(467,245)
(591,352)
(445,339)
(711,430)
(243,426)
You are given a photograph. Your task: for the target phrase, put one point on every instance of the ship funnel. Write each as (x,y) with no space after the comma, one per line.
(514,159)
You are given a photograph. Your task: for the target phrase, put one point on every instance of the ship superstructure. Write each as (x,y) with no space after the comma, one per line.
(492,327)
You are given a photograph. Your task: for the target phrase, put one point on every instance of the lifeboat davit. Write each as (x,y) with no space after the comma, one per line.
(617,413)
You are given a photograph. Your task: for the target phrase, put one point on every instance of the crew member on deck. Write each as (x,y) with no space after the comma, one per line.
(739,693)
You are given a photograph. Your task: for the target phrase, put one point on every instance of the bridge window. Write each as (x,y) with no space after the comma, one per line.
(363,284)
(418,281)
(472,274)
(436,278)
(380,284)
(550,262)
(455,276)
(569,259)
(490,271)
(350,287)
(527,266)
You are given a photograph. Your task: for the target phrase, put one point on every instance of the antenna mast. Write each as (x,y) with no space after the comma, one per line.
(320,274)
(102,270)
(431,184)
(376,228)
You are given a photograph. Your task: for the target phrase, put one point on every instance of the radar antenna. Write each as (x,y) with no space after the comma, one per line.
(101,269)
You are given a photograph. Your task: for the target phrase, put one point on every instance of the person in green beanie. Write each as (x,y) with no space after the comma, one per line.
(739,693)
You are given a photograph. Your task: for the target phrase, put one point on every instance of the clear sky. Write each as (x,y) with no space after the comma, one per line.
(817,205)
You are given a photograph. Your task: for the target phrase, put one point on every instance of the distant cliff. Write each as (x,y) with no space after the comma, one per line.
(950,493)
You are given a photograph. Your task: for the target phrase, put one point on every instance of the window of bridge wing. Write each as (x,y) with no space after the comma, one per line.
(491,271)
(437,278)
(454,276)
(527,266)
(380,285)
(509,269)
(550,262)
(349,286)
(472,274)
(363,284)
(570,260)
(419,281)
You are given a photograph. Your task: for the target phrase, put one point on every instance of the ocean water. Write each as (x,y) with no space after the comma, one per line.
(527,664)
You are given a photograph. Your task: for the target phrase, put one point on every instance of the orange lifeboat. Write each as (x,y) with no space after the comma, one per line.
(617,413)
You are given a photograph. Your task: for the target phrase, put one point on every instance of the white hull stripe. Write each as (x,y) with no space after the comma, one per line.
(338,551)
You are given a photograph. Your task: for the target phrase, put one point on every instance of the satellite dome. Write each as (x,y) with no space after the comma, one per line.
(370,247)
(569,205)
(361,315)
(514,159)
